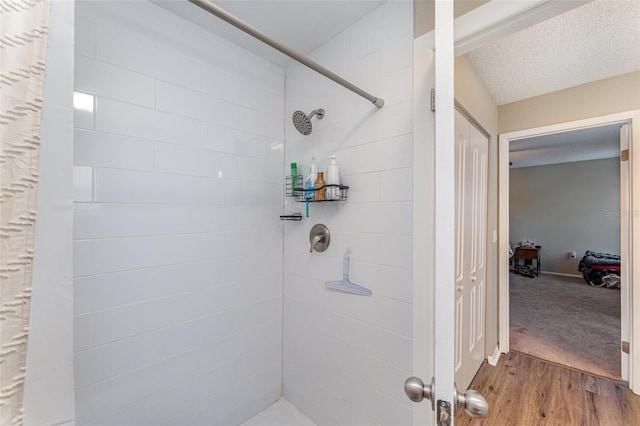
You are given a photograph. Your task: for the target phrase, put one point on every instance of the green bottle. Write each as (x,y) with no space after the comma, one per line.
(294,176)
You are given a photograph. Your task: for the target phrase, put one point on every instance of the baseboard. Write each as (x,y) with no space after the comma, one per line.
(561,274)
(493,359)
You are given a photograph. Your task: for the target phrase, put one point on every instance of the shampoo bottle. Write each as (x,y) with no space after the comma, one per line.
(309,183)
(333,178)
(321,191)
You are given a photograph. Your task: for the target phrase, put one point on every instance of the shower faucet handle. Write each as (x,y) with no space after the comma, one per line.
(319,237)
(315,240)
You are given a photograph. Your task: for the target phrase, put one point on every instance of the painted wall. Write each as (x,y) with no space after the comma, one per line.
(425,13)
(48,392)
(566,207)
(177,240)
(473,95)
(346,356)
(608,96)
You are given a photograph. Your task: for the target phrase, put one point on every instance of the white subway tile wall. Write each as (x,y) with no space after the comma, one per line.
(346,357)
(178,245)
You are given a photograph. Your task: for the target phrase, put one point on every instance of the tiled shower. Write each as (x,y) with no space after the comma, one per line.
(189,290)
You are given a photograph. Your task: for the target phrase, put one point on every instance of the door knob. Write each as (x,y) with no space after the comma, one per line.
(416,390)
(473,402)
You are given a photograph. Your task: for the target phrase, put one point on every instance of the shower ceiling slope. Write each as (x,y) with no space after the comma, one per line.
(304,25)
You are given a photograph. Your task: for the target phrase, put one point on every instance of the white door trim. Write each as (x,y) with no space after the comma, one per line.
(633,117)
(625,224)
(496,19)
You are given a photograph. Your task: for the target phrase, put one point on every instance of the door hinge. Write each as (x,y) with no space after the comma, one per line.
(624,155)
(625,347)
(433,99)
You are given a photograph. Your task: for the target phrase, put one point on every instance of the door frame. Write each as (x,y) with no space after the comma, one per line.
(633,257)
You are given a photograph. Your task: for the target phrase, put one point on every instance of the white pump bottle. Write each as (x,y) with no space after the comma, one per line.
(333,178)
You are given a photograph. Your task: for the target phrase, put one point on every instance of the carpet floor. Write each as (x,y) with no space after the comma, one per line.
(566,321)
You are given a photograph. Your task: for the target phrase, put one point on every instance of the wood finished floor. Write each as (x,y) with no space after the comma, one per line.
(523,391)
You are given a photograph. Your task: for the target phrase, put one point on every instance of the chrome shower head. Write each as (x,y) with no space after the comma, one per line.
(302,121)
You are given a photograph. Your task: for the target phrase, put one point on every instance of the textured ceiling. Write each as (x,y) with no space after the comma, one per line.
(303,25)
(566,147)
(596,41)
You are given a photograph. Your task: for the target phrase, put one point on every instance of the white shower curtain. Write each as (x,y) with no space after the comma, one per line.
(23,43)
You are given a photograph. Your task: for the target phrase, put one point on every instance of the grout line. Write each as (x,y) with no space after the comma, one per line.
(284,169)
(226,311)
(343,315)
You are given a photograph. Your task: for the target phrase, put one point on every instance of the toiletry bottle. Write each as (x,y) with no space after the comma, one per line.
(321,191)
(333,178)
(309,183)
(313,168)
(294,178)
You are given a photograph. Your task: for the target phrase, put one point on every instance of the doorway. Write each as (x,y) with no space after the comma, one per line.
(563,197)
(629,298)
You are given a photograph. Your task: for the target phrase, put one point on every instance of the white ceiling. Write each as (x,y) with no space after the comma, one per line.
(303,25)
(577,145)
(592,42)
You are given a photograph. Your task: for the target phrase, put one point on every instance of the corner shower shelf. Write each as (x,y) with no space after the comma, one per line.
(299,193)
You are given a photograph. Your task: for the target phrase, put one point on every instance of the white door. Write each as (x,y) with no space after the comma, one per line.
(444,203)
(471,153)
(434,232)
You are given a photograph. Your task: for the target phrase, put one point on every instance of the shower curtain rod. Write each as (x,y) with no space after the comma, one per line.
(241,25)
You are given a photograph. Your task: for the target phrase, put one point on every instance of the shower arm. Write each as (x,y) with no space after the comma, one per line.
(241,25)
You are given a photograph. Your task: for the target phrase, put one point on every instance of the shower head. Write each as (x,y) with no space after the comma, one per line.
(302,121)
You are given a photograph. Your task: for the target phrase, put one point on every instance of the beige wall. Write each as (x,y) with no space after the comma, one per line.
(616,94)
(471,92)
(566,207)
(425,15)
(473,96)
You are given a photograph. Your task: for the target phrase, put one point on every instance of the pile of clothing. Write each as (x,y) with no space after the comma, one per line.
(600,269)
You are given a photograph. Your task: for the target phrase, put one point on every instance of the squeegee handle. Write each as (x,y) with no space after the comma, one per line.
(345,267)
